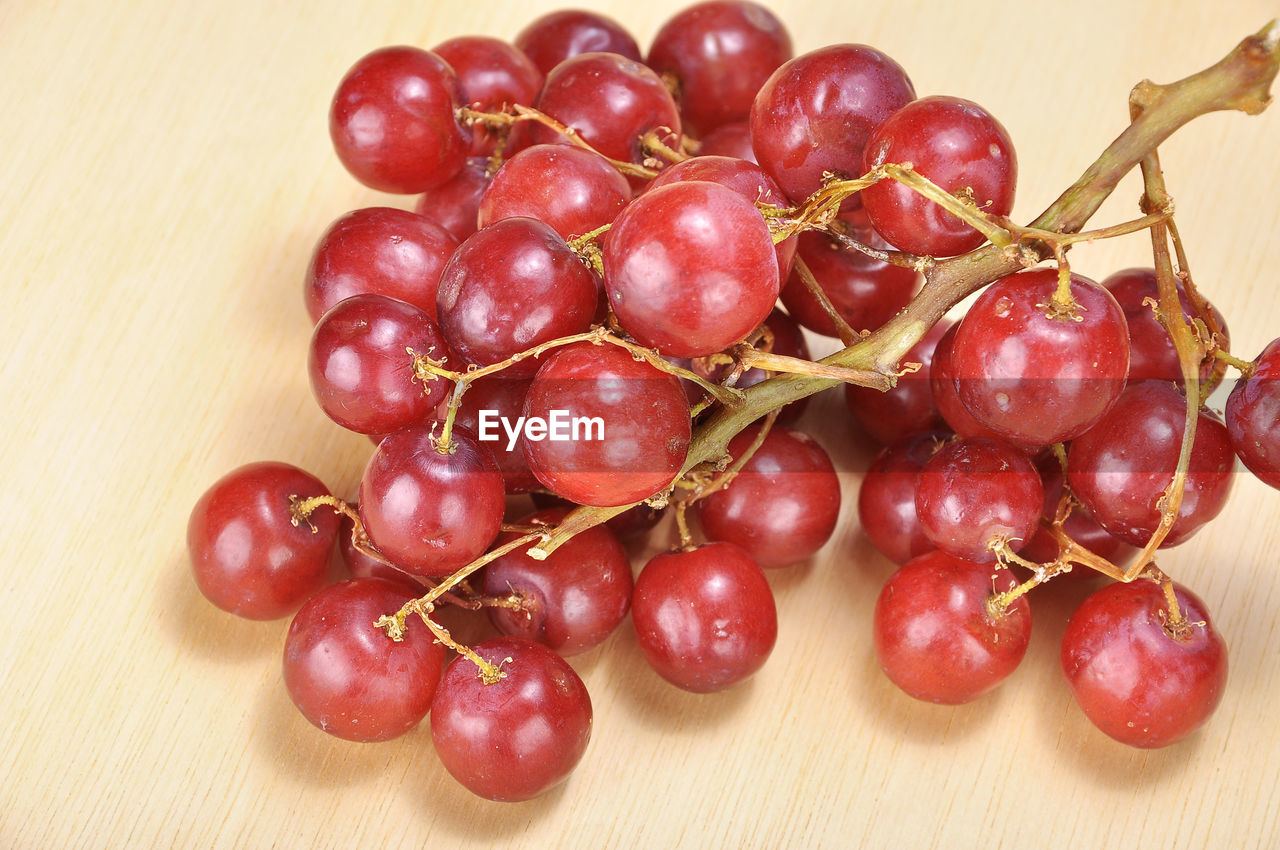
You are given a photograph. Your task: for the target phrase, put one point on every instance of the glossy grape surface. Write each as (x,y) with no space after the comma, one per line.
(934,636)
(1121,467)
(378,250)
(509,287)
(560,35)
(1253,417)
(361,372)
(1134,680)
(690,268)
(960,147)
(430,513)
(816,112)
(392,121)
(519,737)
(1035,377)
(572,600)
(644,419)
(346,676)
(247,555)
(718,54)
(705,618)
(783,504)
(976,492)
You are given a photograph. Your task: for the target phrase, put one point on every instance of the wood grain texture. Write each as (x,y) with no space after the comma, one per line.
(165,171)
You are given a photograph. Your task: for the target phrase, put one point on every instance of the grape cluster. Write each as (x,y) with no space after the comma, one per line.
(583,306)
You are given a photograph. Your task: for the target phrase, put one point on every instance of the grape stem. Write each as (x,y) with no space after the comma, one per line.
(527,113)
(848,336)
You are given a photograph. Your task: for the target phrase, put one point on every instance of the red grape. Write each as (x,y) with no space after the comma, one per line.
(1151,351)
(960,147)
(518,737)
(865,292)
(1120,468)
(783,504)
(509,287)
(1032,375)
(572,189)
(492,74)
(346,676)
(718,54)
(644,430)
(392,121)
(429,512)
(690,268)
(705,618)
(378,250)
(1253,417)
(455,204)
(936,638)
(976,492)
(909,407)
(611,101)
(1136,681)
(557,36)
(247,555)
(887,497)
(361,373)
(572,600)
(816,112)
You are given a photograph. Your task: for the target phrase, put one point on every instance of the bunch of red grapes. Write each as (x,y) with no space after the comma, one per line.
(592,267)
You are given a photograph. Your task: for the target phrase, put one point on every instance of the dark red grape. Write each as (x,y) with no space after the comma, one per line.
(392,121)
(960,147)
(560,35)
(509,287)
(865,292)
(346,676)
(887,497)
(1136,681)
(1034,376)
(572,189)
(976,492)
(718,54)
(705,618)
(493,74)
(908,408)
(640,440)
(361,373)
(729,140)
(936,638)
(816,113)
(1151,351)
(572,600)
(378,250)
(247,555)
(1253,417)
(1120,468)
(429,512)
(1080,526)
(455,204)
(690,268)
(361,565)
(783,505)
(518,737)
(611,101)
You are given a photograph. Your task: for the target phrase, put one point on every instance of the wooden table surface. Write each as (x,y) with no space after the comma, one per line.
(165,171)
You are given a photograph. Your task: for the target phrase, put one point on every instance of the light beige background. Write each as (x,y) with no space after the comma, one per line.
(164,171)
